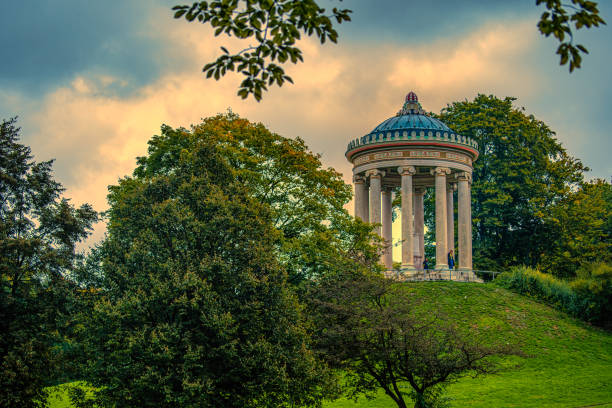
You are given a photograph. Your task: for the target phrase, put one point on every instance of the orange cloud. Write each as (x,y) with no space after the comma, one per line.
(340,92)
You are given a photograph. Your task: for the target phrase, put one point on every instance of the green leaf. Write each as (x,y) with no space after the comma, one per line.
(179,13)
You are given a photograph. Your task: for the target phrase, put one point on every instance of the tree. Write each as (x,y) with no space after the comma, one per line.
(579,230)
(373,330)
(194,309)
(558,22)
(306,200)
(520,176)
(276,25)
(594,286)
(38,233)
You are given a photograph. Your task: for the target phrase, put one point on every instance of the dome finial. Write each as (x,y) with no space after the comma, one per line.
(411,106)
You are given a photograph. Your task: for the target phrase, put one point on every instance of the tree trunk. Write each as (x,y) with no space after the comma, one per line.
(397,398)
(400,402)
(420,401)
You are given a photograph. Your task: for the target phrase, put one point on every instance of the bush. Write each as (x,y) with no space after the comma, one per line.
(594,285)
(587,298)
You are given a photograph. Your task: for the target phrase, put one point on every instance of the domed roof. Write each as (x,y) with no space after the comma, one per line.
(411,121)
(411,116)
(411,126)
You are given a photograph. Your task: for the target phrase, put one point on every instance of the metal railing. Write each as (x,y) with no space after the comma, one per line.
(442,275)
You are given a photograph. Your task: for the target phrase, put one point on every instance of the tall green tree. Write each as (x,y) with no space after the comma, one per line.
(194,309)
(38,234)
(274,26)
(520,176)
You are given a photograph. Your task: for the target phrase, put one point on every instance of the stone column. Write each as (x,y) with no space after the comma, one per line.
(360,197)
(375,189)
(469,224)
(365,209)
(407,217)
(440,175)
(450,219)
(419,222)
(387,233)
(464,222)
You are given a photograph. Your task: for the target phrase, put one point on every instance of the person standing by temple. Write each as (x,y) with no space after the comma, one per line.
(451,260)
(425,264)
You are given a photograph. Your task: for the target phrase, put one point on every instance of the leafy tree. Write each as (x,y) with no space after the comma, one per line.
(276,25)
(38,233)
(530,204)
(373,330)
(579,230)
(306,200)
(558,19)
(194,309)
(522,173)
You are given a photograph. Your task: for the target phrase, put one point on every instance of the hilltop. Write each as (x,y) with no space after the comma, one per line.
(567,364)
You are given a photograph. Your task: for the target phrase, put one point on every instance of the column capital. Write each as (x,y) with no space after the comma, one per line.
(409,170)
(359,180)
(375,173)
(440,171)
(452,186)
(464,176)
(420,191)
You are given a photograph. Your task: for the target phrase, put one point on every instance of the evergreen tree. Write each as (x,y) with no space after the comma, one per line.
(38,233)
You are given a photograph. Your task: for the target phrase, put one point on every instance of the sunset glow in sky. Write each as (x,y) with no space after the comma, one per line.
(91,82)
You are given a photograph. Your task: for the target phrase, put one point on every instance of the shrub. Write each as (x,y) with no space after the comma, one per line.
(587,298)
(594,285)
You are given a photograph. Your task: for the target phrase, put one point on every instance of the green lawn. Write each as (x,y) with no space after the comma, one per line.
(568,363)
(58,398)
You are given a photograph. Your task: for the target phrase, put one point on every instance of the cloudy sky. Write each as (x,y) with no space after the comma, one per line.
(92,81)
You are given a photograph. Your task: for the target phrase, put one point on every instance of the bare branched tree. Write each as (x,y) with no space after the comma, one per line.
(373,330)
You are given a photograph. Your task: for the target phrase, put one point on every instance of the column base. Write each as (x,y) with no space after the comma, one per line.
(466,275)
(411,274)
(408,270)
(440,267)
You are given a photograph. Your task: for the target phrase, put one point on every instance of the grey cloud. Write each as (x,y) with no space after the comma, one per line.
(47,43)
(415,21)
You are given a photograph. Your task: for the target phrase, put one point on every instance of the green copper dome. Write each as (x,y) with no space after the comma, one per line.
(411,126)
(411,116)
(411,121)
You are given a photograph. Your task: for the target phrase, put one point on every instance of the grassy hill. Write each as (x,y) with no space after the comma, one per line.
(567,363)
